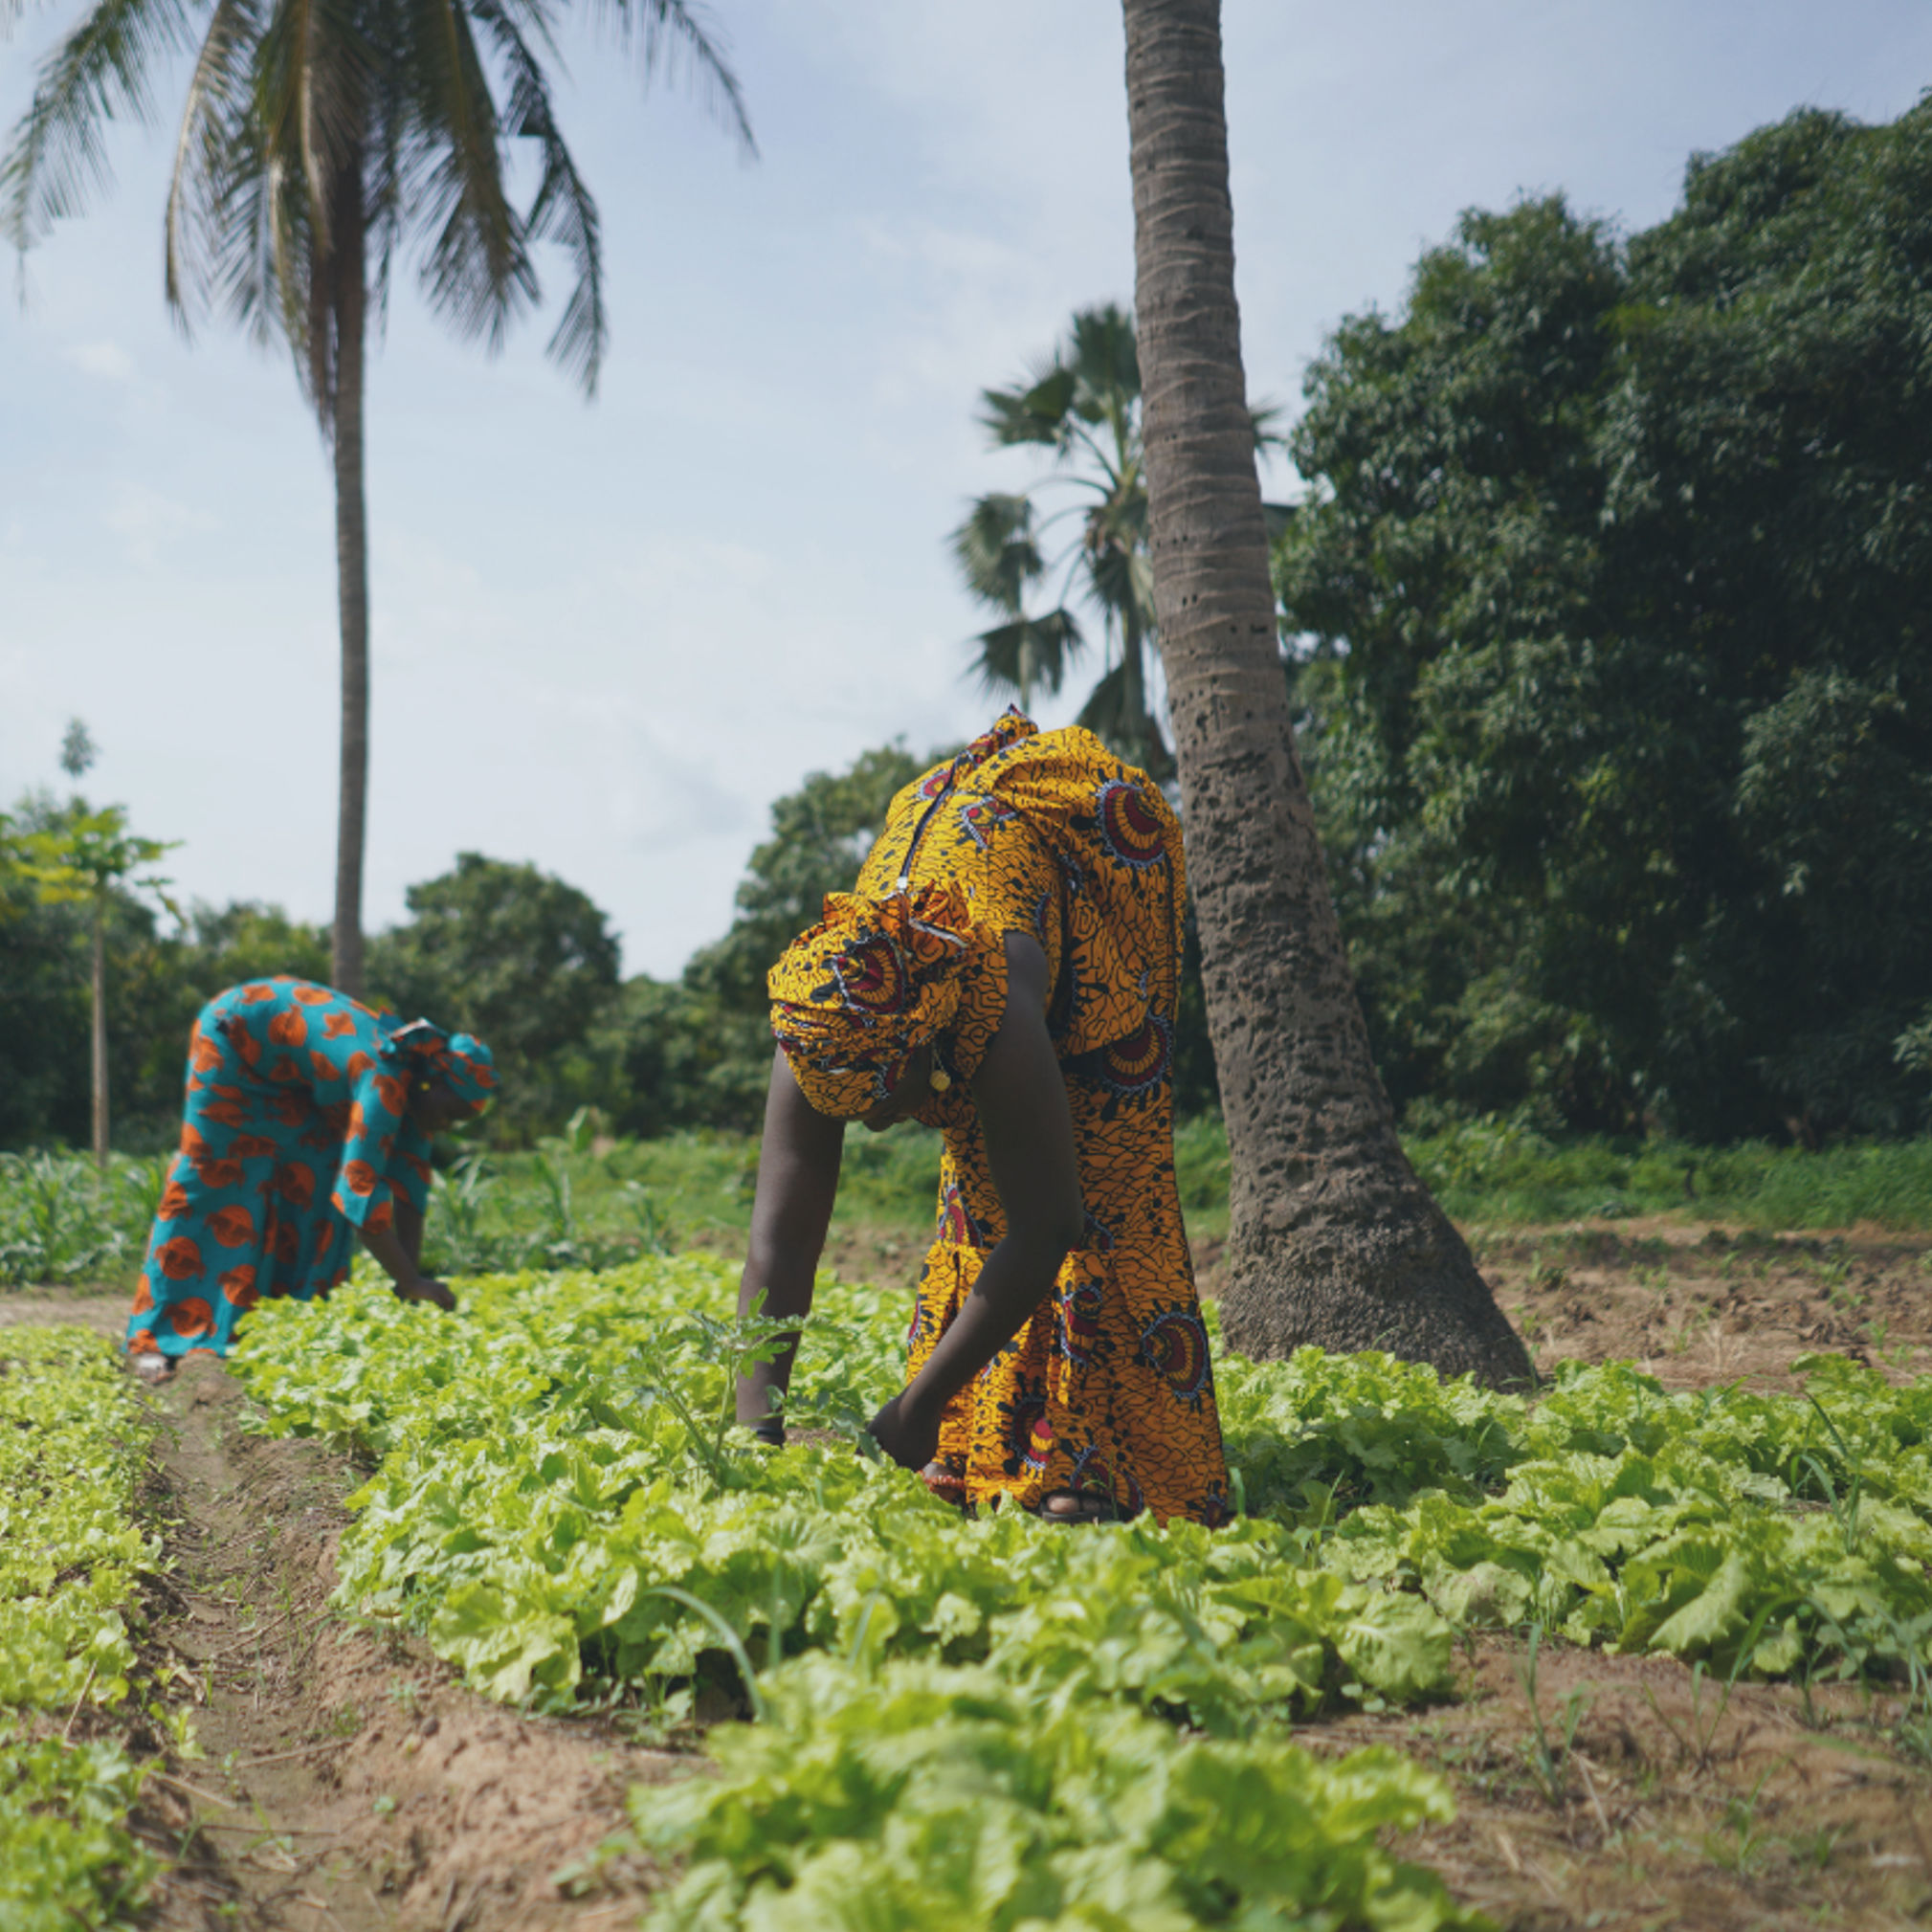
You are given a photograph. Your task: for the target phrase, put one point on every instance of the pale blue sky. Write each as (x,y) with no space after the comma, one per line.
(607,636)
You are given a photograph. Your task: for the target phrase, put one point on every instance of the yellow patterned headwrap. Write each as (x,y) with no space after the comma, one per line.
(856,997)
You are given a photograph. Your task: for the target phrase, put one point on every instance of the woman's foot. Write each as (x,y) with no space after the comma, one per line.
(1070,1505)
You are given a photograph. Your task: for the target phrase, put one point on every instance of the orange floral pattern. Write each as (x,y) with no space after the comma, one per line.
(1108,1391)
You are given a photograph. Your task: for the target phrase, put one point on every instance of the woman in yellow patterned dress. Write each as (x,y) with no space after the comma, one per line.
(1007,970)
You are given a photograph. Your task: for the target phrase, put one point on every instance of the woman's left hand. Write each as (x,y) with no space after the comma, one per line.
(427,1288)
(910,1442)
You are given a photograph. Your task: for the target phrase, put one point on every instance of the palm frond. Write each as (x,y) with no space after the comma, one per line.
(1027,655)
(307,117)
(205,156)
(476,270)
(676,37)
(97,74)
(1102,355)
(563,210)
(997,550)
(1116,712)
(1264,419)
(1034,413)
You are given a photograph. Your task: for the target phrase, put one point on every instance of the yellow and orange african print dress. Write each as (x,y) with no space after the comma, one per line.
(1107,1390)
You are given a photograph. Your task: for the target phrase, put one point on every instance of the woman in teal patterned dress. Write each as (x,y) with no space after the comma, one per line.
(307,1124)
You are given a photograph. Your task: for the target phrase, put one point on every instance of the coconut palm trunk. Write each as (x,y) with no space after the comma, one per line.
(341,275)
(1333,1239)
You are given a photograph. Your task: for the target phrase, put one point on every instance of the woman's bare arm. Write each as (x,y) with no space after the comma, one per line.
(396,1260)
(410,1229)
(797,1184)
(1027,1130)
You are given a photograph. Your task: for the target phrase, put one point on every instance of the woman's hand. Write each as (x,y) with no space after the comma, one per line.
(426,1288)
(899,1429)
(409,1283)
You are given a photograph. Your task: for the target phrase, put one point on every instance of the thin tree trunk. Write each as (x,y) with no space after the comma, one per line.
(1332,1239)
(352,580)
(99,1067)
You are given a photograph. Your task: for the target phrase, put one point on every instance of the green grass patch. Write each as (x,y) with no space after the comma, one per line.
(575,1203)
(1498,1172)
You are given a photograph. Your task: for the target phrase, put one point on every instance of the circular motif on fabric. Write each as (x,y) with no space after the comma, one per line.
(1129,831)
(1138,1063)
(179,1258)
(190,1317)
(981,817)
(1091,1475)
(1081,1321)
(935,782)
(956,1223)
(871,977)
(1174,1345)
(1030,1435)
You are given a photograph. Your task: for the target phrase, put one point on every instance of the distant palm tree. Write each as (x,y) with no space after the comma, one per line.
(1332,1237)
(1083,403)
(318,137)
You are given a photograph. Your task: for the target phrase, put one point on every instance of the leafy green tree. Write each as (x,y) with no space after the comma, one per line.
(314,145)
(1609,601)
(517,957)
(697,1053)
(820,835)
(85,857)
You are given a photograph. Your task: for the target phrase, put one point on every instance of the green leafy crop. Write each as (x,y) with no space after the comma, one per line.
(71,1453)
(1006,1723)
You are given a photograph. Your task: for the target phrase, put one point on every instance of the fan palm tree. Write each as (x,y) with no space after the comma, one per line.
(319,136)
(1332,1237)
(1082,403)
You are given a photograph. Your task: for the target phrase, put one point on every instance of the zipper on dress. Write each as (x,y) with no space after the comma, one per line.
(904,880)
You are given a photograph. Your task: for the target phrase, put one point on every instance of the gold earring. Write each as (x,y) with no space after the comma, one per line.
(939,1079)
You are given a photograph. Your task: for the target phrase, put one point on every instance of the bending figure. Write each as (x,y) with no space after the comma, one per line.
(1007,971)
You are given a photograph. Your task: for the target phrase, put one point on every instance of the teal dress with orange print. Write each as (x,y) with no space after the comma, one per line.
(295,1135)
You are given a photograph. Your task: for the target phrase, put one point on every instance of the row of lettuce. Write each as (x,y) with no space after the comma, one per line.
(976,1721)
(71,1453)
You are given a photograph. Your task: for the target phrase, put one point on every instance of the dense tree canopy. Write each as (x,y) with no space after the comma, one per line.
(1608,609)
(515,956)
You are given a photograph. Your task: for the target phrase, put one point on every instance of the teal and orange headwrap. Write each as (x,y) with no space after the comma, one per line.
(856,997)
(462,1062)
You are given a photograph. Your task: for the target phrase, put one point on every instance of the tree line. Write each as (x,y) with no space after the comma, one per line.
(1601,618)
(1608,614)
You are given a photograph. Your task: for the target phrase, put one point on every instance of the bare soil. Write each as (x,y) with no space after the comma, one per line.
(347,1781)
(1694,1304)
(1674,1803)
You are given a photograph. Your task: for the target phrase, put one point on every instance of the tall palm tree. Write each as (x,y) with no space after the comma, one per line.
(1332,1237)
(317,138)
(1082,403)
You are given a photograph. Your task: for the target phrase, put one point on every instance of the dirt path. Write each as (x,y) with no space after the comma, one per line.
(348,1784)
